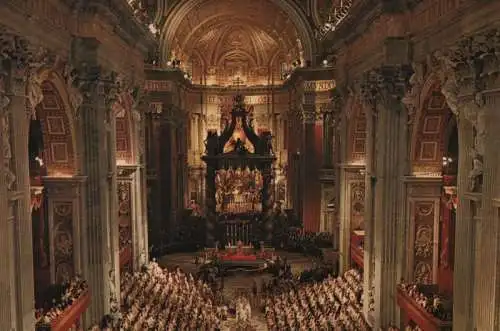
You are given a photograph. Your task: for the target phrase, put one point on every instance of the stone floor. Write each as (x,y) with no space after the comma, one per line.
(237,283)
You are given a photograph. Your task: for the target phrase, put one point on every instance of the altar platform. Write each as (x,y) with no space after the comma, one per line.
(240,257)
(186,261)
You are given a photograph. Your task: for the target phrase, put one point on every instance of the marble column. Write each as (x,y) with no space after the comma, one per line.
(368,268)
(312,147)
(21,202)
(98,90)
(487,232)
(110,90)
(382,89)
(140,241)
(343,206)
(155,209)
(8,306)
(195,144)
(463,271)
(174,180)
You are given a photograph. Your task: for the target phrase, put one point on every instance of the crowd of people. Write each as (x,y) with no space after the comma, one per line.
(58,298)
(333,304)
(432,303)
(159,299)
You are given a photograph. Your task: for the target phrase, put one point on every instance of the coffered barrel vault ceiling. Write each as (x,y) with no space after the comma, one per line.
(220,41)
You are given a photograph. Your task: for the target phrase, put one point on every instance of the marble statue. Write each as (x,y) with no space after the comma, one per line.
(476,172)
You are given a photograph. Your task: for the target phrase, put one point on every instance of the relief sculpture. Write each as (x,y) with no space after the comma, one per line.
(423,241)
(423,273)
(63,240)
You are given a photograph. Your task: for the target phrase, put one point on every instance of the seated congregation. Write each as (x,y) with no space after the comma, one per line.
(332,304)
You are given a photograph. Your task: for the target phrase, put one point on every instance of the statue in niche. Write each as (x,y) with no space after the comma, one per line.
(34,91)
(475,175)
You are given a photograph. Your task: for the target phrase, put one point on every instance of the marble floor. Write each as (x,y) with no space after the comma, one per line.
(239,282)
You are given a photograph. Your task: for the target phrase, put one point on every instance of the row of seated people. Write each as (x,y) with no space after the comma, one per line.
(333,304)
(58,298)
(159,299)
(432,303)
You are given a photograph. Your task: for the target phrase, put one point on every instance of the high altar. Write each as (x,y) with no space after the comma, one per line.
(239,193)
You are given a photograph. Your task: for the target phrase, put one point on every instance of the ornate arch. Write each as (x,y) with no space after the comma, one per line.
(57,121)
(297,16)
(428,134)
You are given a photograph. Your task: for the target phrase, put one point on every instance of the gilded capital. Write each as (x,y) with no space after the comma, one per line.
(385,86)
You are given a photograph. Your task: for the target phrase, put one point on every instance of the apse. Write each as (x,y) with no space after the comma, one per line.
(232,44)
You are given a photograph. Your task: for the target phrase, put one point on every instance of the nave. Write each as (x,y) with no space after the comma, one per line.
(363,134)
(166,296)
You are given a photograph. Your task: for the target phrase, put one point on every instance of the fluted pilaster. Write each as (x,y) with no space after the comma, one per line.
(368,271)
(210,204)
(267,203)
(7,290)
(487,241)
(463,280)
(98,90)
(23,224)
(382,90)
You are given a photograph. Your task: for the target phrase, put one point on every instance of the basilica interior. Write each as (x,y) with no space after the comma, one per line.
(154,152)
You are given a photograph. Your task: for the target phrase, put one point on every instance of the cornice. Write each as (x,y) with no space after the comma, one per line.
(301,74)
(125,24)
(362,14)
(175,75)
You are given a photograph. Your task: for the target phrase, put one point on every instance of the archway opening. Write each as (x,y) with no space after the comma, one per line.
(125,157)
(434,162)
(223,43)
(39,212)
(448,208)
(50,154)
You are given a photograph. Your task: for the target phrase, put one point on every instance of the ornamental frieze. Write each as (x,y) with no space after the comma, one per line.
(158,85)
(318,85)
(228,99)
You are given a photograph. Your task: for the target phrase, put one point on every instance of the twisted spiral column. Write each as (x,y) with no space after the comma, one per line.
(267,203)
(210,204)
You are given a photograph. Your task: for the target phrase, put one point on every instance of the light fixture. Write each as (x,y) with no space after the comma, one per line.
(152,28)
(39,160)
(447,161)
(325,62)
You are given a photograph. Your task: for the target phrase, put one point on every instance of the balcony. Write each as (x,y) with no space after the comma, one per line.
(357,248)
(70,319)
(415,314)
